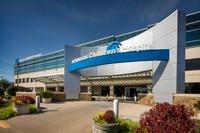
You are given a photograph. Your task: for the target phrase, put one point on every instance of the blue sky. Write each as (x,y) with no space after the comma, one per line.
(29,27)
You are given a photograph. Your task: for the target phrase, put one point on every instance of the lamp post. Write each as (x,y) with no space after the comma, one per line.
(1,82)
(17,64)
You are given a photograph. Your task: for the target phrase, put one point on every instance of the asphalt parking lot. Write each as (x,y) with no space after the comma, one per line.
(67,117)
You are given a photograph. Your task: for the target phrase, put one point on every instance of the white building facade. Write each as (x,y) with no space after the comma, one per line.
(162,59)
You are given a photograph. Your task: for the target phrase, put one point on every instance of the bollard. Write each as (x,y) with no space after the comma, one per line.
(116,107)
(125,98)
(37,102)
(135,98)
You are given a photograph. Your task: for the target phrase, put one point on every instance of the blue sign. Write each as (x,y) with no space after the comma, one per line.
(113,45)
(146,55)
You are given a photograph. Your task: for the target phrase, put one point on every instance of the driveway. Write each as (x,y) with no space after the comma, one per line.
(68,117)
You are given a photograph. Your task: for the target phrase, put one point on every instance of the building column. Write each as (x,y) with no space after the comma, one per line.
(34,90)
(111,91)
(57,89)
(149,88)
(45,88)
(89,89)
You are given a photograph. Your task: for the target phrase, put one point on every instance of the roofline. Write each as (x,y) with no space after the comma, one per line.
(53,52)
(79,45)
(153,24)
(131,32)
(192,13)
(40,56)
(86,43)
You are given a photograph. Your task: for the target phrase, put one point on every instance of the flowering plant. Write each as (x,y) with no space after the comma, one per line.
(105,117)
(21,100)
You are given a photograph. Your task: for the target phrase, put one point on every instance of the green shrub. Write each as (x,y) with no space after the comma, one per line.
(46,94)
(197,105)
(6,111)
(13,89)
(1,92)
(99,118)
(127,126)
(8,97)
(33,108)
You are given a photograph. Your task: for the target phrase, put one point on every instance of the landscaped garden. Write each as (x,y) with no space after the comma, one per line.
(16,106)
(161,118)
(11,105)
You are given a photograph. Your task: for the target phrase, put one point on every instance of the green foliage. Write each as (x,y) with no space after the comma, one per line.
(127,126)
(5,84)
(197,105)
(197,123)
(6,111)
(8,97)
(1,92)
(99,118)
(105,117)
(46,94)
(33,108)
(13,89)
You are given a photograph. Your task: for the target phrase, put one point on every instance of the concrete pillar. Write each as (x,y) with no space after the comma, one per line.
(149,88)
(45,88)
(124,94)
(111,91)
(57,89)
(34,86)
(34,89)
(89,89)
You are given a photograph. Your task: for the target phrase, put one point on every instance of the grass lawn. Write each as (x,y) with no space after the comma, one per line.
(6,111)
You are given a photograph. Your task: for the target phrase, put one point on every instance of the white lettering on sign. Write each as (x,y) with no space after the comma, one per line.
(30,57)
(121,49)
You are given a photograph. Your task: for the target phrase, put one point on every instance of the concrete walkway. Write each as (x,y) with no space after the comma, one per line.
(68,117)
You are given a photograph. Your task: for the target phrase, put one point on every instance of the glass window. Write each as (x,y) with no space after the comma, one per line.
(16,81)
(193,64)
(27,80)
(48,64)
(192,18)
(20,80)
(193,35)
(23,81)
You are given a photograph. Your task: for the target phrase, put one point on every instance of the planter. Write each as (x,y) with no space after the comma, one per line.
(198,114)
(21,109)
(46,100)
(105,128)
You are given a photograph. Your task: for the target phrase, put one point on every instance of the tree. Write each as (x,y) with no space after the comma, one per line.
(4,84)
(11,90)
(1,92)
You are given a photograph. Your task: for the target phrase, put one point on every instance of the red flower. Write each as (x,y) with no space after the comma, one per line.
(109,116)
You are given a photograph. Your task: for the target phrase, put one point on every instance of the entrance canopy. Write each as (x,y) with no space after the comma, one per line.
(134,79)
(146,55)
(54,80)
